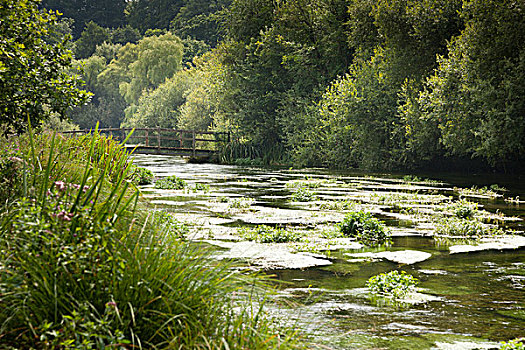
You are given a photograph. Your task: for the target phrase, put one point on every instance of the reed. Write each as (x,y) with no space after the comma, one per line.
(81,267)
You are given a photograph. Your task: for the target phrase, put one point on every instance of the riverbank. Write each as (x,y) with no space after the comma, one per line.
(83,265)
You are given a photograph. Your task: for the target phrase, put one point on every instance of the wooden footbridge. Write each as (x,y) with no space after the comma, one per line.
(188,143)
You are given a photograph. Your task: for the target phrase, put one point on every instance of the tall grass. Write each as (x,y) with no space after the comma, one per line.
(81,267)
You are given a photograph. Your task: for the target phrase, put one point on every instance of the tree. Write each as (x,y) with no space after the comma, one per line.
(158,58)
(476,96)
(200,19)
(152,14)
(33,80)
(92,36)
(108,14)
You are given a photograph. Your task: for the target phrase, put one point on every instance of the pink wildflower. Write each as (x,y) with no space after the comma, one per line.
(60,185)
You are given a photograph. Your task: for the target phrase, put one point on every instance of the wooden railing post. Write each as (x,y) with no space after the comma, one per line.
(147,138)
(158,138)
(181,142)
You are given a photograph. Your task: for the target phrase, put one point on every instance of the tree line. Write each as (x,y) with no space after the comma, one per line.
(387,84)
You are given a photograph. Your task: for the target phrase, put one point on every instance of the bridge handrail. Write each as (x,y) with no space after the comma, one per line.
(85,131)
(152,134)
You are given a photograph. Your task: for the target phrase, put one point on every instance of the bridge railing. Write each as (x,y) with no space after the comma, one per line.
(165,139)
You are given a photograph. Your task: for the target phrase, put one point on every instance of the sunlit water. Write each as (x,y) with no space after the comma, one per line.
(480,297)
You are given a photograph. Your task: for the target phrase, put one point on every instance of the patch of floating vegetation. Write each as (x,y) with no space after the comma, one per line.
(365,229)
(491,192)
(268,234)
(303,195)
(240,204)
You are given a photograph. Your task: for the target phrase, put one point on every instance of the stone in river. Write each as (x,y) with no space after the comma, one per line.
(407,257)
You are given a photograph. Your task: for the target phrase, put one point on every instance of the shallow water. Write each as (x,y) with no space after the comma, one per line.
(479,297)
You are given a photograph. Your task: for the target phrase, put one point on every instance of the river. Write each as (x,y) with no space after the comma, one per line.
(477,299)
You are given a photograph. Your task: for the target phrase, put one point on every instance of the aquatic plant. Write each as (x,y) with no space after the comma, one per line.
(338,205)
(267,234)
(468,228)
(242,203)
(170,183)
(515,344)
(165,222)
(201,187)
(393,284)
(463,209)
(305,184)
(303,195)
(365,228)
(142,176)
(475,191)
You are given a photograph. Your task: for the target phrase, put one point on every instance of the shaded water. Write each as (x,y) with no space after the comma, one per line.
(480,297)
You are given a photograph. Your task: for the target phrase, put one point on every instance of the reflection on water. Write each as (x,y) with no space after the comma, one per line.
(481,295)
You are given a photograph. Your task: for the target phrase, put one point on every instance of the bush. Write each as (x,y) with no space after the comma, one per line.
(170,183)
(365,228)
(393,283)
(143,176)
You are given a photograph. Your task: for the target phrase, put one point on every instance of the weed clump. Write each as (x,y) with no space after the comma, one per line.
(142,176)
(303,195)
(267,234)
(393,283)
(467,228)
(365,228)
(515,344)
(463,209)
(170,183)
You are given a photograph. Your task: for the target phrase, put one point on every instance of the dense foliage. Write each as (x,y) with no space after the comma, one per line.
(83,268)
(33,80)
(372,84)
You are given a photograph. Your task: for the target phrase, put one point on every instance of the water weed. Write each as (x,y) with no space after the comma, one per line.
(465,228)
(463,209)
(170,183)
(267,234)
(394,283)
(240,204)
(143,176)
(515,344)
(365,228)
(303,195)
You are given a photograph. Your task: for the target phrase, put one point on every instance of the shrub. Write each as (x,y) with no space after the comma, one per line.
(170,183)
(267,234)
(365,228)
(303,195)
(393,283)
(143,176)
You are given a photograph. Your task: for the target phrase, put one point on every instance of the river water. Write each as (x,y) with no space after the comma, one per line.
(477,299)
